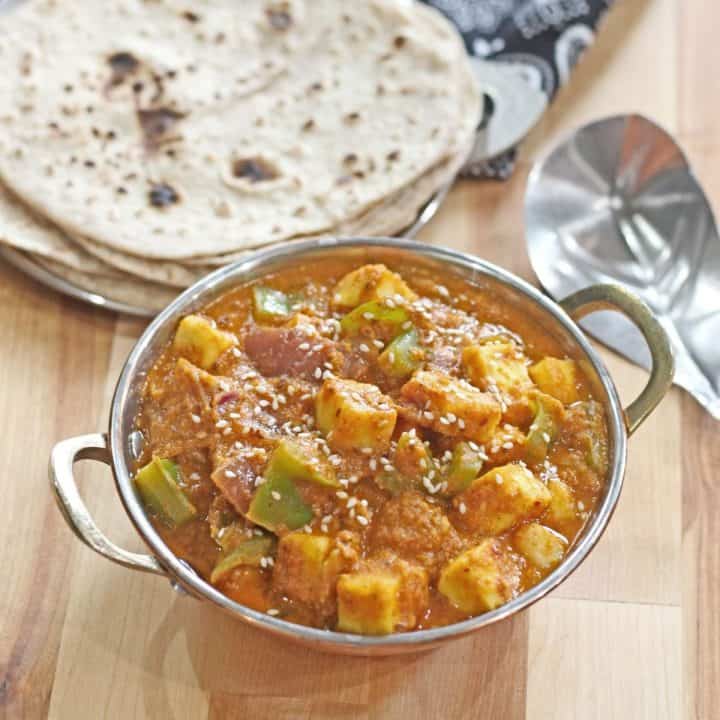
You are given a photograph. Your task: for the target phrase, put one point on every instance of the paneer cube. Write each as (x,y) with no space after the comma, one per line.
(412,458)
(200,341)
(556,377)
(499,499)
(497,363)
(481,578)
(562,508)
(506,445)
(299,570)
(451,406)
(368,603)
(542,547)
(386,594)
(370,282)
(354,415)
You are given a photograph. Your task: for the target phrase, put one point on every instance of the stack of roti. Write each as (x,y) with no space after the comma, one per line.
(144,143)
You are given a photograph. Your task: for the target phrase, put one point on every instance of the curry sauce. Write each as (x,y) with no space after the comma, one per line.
(359,449)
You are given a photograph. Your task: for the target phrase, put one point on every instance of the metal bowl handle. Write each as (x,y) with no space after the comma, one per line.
(64,455)
(616,297)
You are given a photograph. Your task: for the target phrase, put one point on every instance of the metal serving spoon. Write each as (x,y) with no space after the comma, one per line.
(618,202)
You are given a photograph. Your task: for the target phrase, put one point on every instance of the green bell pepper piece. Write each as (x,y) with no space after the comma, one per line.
(157,484)
(270,305)
(297,462)
(248,552)
(373,312)
(277,504)
(403,355)
(542,432)
(465,466)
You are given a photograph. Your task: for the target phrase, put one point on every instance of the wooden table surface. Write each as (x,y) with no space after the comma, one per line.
(635,633)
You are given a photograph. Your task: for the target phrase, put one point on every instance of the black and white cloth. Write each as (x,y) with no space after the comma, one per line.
(544,38)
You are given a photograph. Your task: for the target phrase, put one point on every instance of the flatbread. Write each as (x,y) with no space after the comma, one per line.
(389,217)
(122,288)
(165,272)
(252,123)
(23,229)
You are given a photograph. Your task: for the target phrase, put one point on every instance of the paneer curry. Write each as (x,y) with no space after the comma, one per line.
(354,449)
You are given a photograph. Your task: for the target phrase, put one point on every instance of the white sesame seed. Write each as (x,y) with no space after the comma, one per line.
(546,437)
(364,348)
(307,529)
(342,494)
(221,423)
(227,431)
(351,503)
(362,520)
(498,478)
(195,418)
(508,445)
(368,315)
(276,495)
(378,344)
(272,611)
(428,415)
(230,474)
(263,562)
(318,373)
(581,505)
(195,476)
(462,508)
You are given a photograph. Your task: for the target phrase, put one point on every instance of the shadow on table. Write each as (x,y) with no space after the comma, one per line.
(247,673)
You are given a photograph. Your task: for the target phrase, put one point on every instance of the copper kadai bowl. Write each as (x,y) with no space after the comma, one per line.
(118,446)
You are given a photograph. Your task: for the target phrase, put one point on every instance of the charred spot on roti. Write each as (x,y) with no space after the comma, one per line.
(308,125)
(254,169)
(156,123)
(352,117)
(399,41)
(122,65)
(162,195)
(393,156)
(279,16)
(190,16)
(350,159)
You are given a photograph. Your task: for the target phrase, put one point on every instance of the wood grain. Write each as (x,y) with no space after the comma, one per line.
(635,633)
